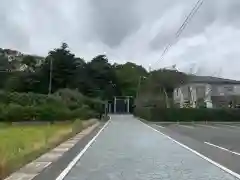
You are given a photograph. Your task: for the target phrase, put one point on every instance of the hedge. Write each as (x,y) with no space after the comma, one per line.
(71,98)
(65,104)
(84,113)
(30,99)
(187,114)
(18,113)
(74,100)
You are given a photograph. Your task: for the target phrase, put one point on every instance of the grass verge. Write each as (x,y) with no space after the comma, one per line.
(21,144)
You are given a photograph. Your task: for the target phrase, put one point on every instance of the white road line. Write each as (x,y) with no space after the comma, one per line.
(77,158)
(236,175)
(214,127)
(229,126)
(160,126)
(222,148)
(190,127)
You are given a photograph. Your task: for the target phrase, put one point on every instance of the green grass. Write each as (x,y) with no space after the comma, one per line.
(3,125)
(23,143)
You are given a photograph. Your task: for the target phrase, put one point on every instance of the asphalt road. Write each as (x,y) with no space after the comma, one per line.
(219,142)
(127,149)
(224,135)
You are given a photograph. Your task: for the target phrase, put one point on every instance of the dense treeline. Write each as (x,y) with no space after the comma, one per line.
(60,86)
(95,78)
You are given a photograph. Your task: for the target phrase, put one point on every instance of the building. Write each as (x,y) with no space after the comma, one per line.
(16,57)
(209,92)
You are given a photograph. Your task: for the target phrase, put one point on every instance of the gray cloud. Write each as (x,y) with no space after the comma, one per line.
(114,20)
(128,30)
(12,33)
(226,12)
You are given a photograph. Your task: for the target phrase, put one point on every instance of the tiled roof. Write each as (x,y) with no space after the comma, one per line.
(211,80)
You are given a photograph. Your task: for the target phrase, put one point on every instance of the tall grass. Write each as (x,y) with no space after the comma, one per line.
(18,142)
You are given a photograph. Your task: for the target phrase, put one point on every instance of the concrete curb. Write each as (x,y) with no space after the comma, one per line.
(31,170)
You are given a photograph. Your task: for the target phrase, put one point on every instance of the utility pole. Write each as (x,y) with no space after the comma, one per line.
(139,85)
(50,76)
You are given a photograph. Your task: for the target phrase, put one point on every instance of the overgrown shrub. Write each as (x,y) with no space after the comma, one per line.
(65,104)
(71,98)
(95,104)
(75,100)
(15,113)
(84,113)
(187,114)
(51,113)
(29,99)
(18,113)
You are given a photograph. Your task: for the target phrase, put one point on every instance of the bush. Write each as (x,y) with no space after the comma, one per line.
(187,114)
(18,113)
(95,104)
(71,98)
(75,100)
(51,113)
(29,99)
(84,113)
(15,113)
(65,104)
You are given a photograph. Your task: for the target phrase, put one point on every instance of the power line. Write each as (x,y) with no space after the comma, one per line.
(182,27)
(189,17)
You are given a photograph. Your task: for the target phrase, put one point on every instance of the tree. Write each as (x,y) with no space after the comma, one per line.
(4,64)
(129,75)
(160,84)
(102,77)
(30,62)
(35,77)
(4,70)
(63,66)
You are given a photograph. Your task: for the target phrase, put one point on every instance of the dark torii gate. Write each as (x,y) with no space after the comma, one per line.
(120,104)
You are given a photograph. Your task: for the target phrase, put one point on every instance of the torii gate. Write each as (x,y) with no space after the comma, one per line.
(116,104)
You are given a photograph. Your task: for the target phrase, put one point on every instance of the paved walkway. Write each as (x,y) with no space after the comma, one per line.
(129,150)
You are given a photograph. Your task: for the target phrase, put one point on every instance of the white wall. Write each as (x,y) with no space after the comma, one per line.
(237,89)
(210,90)
(223,90)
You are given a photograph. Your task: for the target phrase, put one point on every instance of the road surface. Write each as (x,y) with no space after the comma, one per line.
(127,149)
(218,141)
(225,135)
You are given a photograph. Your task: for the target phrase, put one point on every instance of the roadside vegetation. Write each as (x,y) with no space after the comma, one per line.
(31,124)
(63,105)
(23,142)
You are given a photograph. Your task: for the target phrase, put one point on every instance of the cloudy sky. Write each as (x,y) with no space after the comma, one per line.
(129,30)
